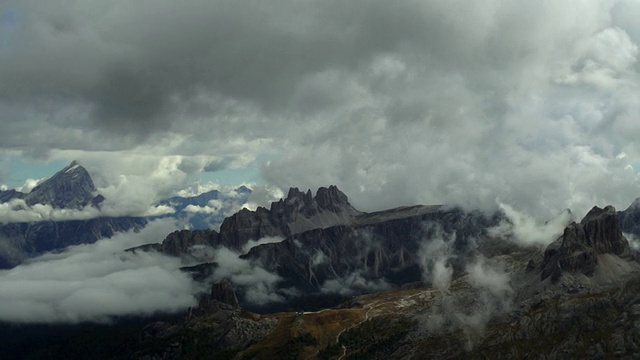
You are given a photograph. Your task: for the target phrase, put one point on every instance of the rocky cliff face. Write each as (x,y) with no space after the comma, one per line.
(577,250)
(384,246)
(190,244)
(19,241)
(630,218)
(296,213)
(326,239)
(70,188)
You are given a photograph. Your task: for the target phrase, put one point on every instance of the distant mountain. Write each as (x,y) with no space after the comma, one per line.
(384,246)
(207,210)
(73,188)
(70,188)
(8,195)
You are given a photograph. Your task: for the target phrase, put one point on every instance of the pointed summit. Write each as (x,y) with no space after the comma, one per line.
(298,212)
(70,188)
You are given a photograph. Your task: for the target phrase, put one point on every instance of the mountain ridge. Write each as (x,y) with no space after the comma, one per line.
(404,283)
(590,314)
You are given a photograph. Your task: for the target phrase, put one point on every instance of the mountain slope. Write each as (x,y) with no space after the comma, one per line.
(321,247)
(482,314)
(69,189)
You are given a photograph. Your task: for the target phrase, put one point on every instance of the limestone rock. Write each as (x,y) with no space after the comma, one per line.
(223,292)
(577,250)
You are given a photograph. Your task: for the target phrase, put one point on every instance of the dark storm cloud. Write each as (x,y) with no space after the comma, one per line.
(478,103)
(130,60)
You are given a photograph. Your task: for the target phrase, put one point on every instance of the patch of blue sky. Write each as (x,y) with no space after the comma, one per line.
(19,170)
(9,21)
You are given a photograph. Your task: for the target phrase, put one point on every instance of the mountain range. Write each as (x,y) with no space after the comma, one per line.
(312,277)
(576,297)
(69,189)
(73,189)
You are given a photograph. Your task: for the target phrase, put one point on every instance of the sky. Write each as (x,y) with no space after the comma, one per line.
(531,105)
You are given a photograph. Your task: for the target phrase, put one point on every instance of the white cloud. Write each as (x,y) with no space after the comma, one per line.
(96,282)
(434,256)
(257,284)
(265,240)
(353,283)
(522,229)
(28,185)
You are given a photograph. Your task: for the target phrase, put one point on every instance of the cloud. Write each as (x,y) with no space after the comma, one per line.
(28,185)
(202,209)
(96,282)
(486,293)
(396,103)
(257,284)
(263,196)
(434,258)
(522,229)
(493,280)
(16,210)
(353,283)
(265,240)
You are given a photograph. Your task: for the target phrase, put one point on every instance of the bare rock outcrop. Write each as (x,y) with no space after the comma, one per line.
(297,213)
(577,250)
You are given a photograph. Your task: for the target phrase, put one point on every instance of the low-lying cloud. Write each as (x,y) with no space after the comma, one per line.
(353,283)
(97,282)
(256,284)
(483,293)
(526,230)
(17,210)
(434,258)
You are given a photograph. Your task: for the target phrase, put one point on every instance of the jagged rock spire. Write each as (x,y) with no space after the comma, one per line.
(577,250)
(298,212)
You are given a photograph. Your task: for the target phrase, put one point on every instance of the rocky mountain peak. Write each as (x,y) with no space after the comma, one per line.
(635,205)
(298,212)
(577,250)
(71,187)
(331,198)
(603,232)
(223,292)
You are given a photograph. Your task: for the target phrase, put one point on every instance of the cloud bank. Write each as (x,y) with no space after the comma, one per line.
(96,282)
(530,105)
